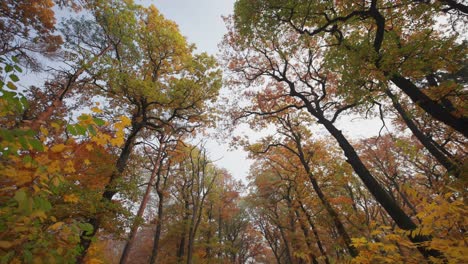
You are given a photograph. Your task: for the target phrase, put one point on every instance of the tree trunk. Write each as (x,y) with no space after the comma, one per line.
(181,251)
(109,191)
(305,232)
(430,106)
(157,233)
(316,235)
(330,210)
(450,166)
(141,210)
(383,198)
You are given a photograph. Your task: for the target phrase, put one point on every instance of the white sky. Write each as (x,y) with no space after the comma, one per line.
(201,22)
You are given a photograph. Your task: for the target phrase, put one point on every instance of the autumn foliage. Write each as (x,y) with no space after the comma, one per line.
(104,158)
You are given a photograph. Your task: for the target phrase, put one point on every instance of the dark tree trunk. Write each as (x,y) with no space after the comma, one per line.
(109,191)
(305,232)
(316,235)
(181,251)
(156,172)
(323,199)
(433,108)
(388,203)
(157,233)
(449,165)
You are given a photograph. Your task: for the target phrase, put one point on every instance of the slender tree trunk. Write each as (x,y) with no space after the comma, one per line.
(286,245)
(133,231)
(323,199)
(159,220)
(316,235)
(433,108)
(209,235)
(305,232)
(157,233)
(449,165)
(181,251)
(109,191)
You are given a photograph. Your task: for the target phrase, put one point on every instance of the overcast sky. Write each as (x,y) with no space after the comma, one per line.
(201,22)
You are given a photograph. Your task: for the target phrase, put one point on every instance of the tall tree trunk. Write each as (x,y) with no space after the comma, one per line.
(133,231)
(393,209)
(432,107)
(449,165)
(109,191)
(157,233)
(314,230)
(305,232)
(209,236)
(160,216)
(323,199)
(181,251)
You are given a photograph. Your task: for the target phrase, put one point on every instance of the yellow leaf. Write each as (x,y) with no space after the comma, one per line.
(87,162)
(36,189)
(55,125)
(94,261)
(5,244)
(117,141)
(70,198)
(125,120)
(58,148)
(44,130)
(96,110)
(40,214)
(56,226)
(69,167)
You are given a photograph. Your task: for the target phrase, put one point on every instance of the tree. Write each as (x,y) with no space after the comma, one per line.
(374,40)
(152,75)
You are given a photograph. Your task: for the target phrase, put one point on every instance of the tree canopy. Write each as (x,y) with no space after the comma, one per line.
(104,158)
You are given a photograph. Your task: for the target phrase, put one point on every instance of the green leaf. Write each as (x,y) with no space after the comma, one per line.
(87,228)
(99,121)
(23,142)
(20,196)
(11,85)
(27,159)
(72,130)
(83,117)
(8,68)
(91,130)
(18,69)
(24,202)
(81,130)
(36,144)
(42,204)
(27,255)
(15,59)
(7,135)
(14,78)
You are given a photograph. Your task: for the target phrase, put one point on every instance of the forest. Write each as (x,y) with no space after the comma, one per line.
(106,110)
